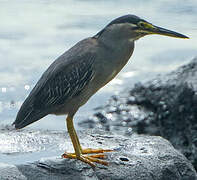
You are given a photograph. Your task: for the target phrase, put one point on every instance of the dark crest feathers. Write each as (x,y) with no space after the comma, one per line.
(123,19)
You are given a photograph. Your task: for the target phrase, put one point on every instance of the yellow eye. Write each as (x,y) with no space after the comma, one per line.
(143,25)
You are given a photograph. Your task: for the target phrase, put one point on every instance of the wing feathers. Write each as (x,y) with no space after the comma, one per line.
(63,80)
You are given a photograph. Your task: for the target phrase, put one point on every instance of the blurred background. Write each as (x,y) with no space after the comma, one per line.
(34,33)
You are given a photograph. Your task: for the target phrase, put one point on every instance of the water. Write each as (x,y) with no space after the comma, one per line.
(35,32)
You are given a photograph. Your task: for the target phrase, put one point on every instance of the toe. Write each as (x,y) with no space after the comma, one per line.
(100,156)
(105,163)
(87,160)
(92,151)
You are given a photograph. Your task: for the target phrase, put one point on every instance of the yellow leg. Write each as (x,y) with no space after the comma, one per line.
(77,140)
(90,150)
(79,151)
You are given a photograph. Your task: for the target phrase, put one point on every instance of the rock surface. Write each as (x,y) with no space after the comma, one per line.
(165,106)
(136,157)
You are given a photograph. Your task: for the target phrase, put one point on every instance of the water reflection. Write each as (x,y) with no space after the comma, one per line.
(34,33)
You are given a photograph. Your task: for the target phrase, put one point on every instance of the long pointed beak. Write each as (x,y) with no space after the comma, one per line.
(166,32)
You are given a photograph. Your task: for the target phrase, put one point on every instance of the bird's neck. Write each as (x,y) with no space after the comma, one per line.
(117,52)
(116,44)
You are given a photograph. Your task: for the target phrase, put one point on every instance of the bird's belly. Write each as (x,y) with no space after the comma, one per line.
(101,78)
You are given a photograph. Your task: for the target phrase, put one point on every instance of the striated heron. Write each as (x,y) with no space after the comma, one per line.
(80,72)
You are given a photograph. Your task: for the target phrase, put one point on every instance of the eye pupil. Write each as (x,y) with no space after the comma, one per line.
(142,25)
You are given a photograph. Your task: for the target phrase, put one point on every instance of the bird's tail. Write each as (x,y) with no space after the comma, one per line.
(27,115)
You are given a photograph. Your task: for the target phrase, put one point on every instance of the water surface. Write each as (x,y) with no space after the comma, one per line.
(34,33)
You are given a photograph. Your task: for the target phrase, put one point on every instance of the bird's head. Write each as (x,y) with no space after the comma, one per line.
(132,27)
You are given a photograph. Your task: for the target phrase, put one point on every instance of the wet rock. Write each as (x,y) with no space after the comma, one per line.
(136,157)
(164,106)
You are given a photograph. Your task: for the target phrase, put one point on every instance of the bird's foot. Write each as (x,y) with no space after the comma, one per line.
(94,156)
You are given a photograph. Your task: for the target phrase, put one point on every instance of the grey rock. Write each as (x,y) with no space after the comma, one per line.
(164,106)
(138,157)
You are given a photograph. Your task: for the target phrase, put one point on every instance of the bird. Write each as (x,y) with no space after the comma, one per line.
(80,72)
